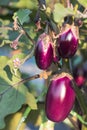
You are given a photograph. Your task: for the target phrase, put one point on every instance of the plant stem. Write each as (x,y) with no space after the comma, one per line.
(27,111)
(41,75)
(70,66)
(27,79)
(28,36)
(79,117)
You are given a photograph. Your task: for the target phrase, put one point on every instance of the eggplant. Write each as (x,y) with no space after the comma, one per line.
(60,98)
(44,51)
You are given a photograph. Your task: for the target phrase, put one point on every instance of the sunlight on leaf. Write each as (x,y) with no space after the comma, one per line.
(23,15)
(31,4)
(3,61)
(11,97)
(30,100)
(60,12)
(83,3)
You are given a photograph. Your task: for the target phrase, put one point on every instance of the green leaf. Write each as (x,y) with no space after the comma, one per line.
(30,100)
(83,3)
(60,12)
(12,96)
(31,4)
(4,42)
(11,101)
(3,33)
(3,61)
(23,15)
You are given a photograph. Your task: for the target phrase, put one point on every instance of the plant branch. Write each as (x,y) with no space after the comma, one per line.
(26,113)
(25,32)
(70,66)
(43,74)
(28,36)
(27,79)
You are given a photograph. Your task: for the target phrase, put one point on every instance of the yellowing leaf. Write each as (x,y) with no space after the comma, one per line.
(30,100)
(83,3)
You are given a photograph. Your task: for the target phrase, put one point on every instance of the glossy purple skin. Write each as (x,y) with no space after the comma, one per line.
(67,44)
(56,59)
(59,99)
(44,52)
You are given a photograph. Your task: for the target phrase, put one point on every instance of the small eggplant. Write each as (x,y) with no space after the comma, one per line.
(44,51)
(68,42)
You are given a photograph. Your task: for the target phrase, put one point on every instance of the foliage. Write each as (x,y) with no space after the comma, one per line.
(58,16)
(22,15)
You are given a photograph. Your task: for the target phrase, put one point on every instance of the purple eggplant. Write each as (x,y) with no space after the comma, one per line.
(60,98)
(79,75)
(68,42)
(44,51)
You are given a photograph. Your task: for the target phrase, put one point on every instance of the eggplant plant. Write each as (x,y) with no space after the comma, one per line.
(54,33)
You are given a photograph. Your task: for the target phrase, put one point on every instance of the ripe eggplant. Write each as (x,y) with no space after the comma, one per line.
(44,51)
(68,42)
(60,98)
